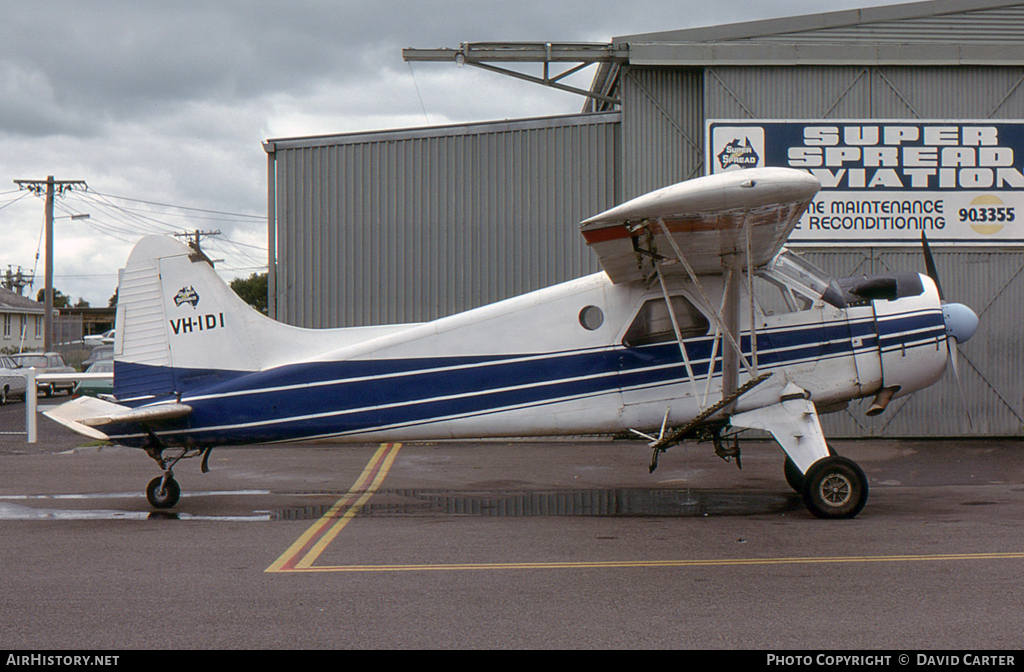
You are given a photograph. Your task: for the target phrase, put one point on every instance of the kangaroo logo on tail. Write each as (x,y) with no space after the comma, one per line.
(186,295)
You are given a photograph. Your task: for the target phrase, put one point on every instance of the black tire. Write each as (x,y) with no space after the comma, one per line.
(3,395)
(165,498)
(835,487)
(793,475)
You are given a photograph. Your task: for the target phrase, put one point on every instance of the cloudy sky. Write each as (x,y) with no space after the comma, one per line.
(162,107)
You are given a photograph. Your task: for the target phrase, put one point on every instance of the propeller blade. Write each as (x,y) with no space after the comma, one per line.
(929,264)
(953,360)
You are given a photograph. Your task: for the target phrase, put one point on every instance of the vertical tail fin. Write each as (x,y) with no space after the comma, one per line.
(179,325)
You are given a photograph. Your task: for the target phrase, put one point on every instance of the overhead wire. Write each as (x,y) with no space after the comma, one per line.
(126,223)
(13,200)
(178,207)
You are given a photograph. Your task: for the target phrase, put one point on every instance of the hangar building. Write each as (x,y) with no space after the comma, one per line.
(414,224)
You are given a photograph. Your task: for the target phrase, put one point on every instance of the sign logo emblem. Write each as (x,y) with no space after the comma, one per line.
(738,153)
(186,295)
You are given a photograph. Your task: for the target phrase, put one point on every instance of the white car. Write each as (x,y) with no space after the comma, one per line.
(94,340)
(12,380)
(46,362)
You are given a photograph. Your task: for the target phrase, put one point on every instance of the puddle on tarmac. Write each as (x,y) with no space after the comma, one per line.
(635,502)
(18,512)
(11,510)
(616,502)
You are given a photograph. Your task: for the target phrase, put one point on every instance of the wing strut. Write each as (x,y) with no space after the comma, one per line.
(750,295)
(679,340)
(729,309)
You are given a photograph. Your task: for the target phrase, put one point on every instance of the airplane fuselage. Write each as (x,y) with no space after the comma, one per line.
(558,361)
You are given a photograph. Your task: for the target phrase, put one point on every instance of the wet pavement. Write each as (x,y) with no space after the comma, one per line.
(515,544)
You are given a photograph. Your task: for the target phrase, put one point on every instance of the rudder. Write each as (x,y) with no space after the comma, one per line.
(178,324)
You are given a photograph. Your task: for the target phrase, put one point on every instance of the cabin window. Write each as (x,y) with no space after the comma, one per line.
(653,324)
(591,318)
(805,279)
(775,298)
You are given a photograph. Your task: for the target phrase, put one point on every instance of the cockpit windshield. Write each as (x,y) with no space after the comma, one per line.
(804,278)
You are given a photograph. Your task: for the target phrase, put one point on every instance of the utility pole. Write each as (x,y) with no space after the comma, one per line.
(51,188)
(196,236)
(16,281)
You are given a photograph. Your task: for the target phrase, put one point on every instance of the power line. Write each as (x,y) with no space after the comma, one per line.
(14,200)
(180,207)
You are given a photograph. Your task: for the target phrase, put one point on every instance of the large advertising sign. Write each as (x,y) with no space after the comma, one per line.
(884,182)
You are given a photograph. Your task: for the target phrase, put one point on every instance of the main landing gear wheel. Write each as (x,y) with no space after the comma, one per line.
(835,487)
(163,495)
(793,475)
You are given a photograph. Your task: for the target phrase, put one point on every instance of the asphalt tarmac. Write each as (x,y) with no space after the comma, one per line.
(506,544)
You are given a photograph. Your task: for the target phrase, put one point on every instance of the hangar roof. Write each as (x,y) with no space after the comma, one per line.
(938,32)
(932,33)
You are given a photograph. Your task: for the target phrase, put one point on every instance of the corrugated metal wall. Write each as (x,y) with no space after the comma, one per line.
(409,226)
(659,102)
(663,127)
(412,225)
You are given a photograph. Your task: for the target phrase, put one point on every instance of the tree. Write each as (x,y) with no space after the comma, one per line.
(252,290)
(113,300)
(82,303)
(60,300)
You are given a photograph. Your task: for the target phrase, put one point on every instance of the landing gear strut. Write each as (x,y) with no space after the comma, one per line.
(163,492)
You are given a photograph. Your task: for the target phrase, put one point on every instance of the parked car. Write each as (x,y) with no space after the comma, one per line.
(106,338)
(98,353)
(47,362)
(12,381)
(94,388)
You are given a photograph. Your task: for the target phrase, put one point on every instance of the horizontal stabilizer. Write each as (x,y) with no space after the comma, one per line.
(148,414)
(85,414)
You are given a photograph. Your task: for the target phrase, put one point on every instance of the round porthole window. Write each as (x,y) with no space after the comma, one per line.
(591,317)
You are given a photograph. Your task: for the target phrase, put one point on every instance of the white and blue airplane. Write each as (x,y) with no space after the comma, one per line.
(701,325)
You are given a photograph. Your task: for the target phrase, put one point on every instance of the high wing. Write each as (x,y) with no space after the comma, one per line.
(726,214)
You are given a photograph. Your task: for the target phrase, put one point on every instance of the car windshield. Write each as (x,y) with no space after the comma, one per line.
(31,360)
(106,366)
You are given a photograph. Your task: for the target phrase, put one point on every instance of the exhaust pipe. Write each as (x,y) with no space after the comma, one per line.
(882,400)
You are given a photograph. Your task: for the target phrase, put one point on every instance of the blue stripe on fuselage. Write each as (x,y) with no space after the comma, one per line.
(323,398)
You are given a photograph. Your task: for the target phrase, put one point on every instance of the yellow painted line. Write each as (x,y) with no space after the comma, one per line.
(632,564)
(322,532)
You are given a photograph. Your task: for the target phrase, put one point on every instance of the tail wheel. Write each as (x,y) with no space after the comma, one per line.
(835,487)
(161,494)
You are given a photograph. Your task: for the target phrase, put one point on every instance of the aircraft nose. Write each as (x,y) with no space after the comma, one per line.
(961,321)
